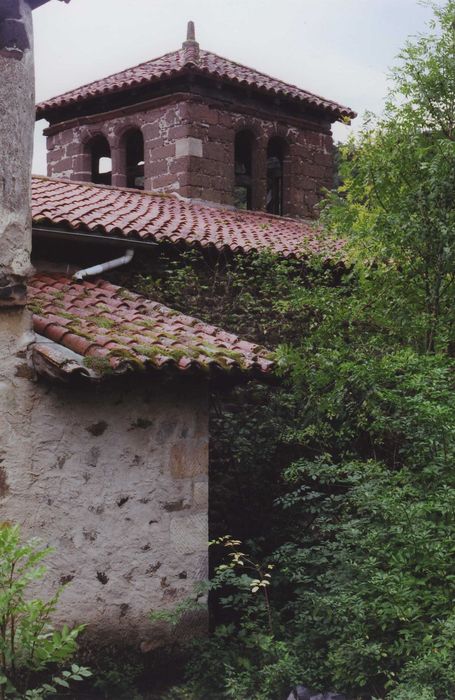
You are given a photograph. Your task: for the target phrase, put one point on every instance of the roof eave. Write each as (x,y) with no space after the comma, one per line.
(57,363)
(336,111)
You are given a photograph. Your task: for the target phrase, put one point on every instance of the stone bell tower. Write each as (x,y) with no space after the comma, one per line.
(201,125)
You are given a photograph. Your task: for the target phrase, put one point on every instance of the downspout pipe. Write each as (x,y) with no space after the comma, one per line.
(102,267)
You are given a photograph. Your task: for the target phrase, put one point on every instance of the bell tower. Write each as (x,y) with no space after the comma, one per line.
(194,123)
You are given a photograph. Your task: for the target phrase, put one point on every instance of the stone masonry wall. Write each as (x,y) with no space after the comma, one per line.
(115,479)
(16,133)
(16,144)
(189,149)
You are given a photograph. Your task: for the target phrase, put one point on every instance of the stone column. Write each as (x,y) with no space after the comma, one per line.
(16,134)
(16,145)
(118,155)
(260,174)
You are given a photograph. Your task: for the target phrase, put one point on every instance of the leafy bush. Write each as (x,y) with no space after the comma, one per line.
(118,678)
(372,573)
(251,660)
(29,646)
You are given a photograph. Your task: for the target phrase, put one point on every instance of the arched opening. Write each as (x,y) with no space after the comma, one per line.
(276,153)
(101,161)
(243,192)
(134,154)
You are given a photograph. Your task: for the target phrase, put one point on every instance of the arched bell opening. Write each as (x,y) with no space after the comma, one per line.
(276,157)
(244,185)
(101,160)
(134,156)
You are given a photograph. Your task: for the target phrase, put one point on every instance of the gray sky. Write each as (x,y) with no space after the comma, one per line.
(341,49)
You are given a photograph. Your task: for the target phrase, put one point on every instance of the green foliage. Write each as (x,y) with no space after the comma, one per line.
(251,660)
(29,646)
(396,207)
(248,294)
(373,576)
(118,679)
(173,616)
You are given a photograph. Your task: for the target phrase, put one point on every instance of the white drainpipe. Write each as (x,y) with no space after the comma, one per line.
(99,269)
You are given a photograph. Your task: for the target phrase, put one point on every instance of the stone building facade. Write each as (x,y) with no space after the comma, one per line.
(114,478)
(199,125)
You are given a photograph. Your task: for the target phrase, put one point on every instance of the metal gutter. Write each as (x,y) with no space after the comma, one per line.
(53,233)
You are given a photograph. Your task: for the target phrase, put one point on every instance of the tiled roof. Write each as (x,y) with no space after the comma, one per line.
(146,216)
(207,63)
(95,329)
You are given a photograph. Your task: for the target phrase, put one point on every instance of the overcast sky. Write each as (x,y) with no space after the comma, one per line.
(341,49)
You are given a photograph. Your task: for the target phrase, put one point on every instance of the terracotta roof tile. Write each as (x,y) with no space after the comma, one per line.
(177,62)
(112,211)
(95,329)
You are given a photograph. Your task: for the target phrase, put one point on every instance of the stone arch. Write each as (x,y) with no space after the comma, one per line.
(133,151)
(98,153)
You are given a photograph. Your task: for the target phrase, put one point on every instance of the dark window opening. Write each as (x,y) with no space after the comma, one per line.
(275,166)
(134,147)
(100,153)
(243,193)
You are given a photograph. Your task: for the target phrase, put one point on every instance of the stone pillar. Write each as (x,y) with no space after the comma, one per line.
(16,134)
(118,155)
(16,146)
(260,174)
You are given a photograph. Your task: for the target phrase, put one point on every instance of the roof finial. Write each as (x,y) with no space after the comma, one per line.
(190,46)
(190,32)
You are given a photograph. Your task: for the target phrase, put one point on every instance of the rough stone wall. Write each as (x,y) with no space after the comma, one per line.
(189,148)
(16,143)
(16,132)
(115,479)
(68,153)
(308,166)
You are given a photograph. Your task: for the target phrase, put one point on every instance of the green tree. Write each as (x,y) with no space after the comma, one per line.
(396,207)
(29,646)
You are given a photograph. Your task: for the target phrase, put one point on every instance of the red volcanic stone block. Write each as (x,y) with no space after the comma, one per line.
(54,156)
(316,171)
(203,113)
(157,142)
(164,181)
(163,152)
(214,151)
(151,131)
(65,164)
(73,149)
(313,138)
(213,167)
(160,167)
(179,132)
(306,183)
(324,159)
(221,134)
(66,137)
